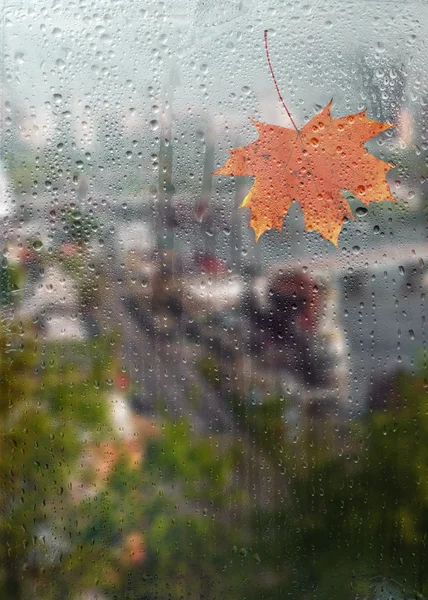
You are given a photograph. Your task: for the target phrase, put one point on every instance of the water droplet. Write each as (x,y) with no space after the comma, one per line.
(361,211)
(380,48)
(37,245)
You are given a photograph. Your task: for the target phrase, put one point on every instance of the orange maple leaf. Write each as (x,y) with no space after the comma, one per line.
(313,166)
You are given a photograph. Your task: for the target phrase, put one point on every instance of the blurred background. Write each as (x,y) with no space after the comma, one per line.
(184,413)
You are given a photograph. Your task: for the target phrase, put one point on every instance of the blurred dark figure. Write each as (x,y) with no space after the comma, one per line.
(289,323)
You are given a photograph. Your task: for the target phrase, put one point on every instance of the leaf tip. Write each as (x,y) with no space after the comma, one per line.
(257,233)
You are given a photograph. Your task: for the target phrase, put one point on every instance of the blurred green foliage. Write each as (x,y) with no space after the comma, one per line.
(319,511)
(52,405)
(349,510)
(10,282)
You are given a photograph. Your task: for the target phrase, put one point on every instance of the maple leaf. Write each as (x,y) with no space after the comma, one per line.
(313,166)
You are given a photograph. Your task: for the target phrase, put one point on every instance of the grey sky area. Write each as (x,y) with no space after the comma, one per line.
(116,51)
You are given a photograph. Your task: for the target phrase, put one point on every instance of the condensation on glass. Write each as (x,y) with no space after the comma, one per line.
(187,413)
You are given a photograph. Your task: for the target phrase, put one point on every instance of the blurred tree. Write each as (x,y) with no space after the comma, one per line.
(60,509)
(356,515)
(80,510)
(198,543)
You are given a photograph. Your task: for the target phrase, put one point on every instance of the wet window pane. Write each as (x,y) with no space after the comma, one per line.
(193,403)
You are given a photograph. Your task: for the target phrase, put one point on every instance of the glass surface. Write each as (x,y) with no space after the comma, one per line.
(187,413)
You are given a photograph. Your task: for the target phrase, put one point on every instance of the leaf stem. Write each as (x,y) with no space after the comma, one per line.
(276,84)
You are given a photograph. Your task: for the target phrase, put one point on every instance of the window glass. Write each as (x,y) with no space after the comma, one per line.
(186,411)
